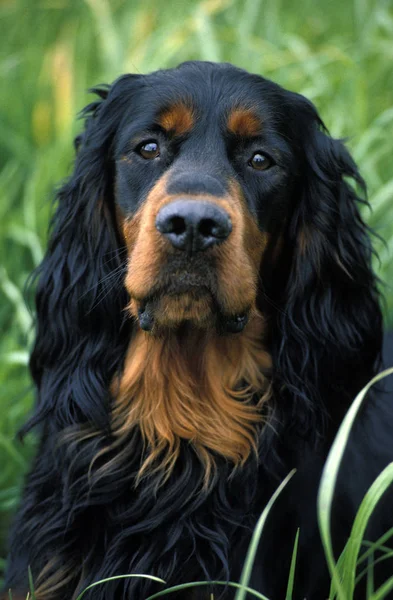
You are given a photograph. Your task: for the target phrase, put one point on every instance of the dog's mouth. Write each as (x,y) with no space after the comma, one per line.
(199,292)
(184,304)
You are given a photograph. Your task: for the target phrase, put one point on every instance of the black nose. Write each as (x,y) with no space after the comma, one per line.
(193,225)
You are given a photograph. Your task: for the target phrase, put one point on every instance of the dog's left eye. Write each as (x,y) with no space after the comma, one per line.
(149,150)
(260,161)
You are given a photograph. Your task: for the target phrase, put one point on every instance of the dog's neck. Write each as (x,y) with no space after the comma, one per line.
(196,386)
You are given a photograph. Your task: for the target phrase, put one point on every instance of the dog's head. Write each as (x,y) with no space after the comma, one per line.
(202,196)
(205,160)
(204,173)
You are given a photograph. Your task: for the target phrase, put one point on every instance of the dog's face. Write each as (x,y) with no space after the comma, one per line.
(204,175)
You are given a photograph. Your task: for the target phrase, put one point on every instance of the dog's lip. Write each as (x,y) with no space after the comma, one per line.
(196,289)
(172,289)
(149,304)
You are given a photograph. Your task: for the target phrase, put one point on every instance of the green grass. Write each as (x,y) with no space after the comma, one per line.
(337,53)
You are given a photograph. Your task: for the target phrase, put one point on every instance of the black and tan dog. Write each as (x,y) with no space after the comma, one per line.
(206,312)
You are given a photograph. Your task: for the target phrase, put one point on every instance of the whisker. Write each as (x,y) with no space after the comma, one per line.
(113,275)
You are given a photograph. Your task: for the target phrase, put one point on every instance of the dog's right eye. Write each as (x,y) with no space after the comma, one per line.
(260,161)
(149,150)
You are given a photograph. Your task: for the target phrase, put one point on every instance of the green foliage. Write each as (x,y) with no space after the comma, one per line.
(256,536)
(103,581)
(339,54)
(343,572)
(292,570)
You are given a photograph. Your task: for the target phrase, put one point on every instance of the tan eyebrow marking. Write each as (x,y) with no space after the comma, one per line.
(244,121)
(177,119)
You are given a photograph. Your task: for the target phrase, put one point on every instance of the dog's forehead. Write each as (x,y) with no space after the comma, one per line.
(218,92)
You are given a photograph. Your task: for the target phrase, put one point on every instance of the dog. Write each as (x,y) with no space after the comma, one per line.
(206,313)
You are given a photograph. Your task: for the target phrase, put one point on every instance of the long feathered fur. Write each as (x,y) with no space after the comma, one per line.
(82,516)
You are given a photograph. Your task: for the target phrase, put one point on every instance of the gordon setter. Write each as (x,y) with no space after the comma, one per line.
(206,313)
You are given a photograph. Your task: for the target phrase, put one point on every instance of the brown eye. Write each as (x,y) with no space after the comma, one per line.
(149,150)
(260,161)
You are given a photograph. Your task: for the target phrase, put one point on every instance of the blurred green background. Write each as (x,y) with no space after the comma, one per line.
(338,53)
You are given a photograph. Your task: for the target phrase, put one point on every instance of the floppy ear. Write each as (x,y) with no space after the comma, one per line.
(81,336)
(330,328)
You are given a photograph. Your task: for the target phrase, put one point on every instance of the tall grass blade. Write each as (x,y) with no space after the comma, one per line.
(191,584)
(367,507)
(291,578)
(256,536)
(382,592)
(329,479)
(209,47)
(370,575)
(31,584)
(115,578)
(371,563)
(378,545)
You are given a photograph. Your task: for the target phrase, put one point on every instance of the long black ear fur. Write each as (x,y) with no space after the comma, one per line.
(81,329)
(329,331)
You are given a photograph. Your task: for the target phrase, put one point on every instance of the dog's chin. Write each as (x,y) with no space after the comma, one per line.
(188,310)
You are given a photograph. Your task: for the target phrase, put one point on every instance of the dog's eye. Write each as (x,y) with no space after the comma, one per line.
(260,161)
(149,150)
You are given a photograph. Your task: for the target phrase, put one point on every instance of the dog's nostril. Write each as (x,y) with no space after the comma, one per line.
(208,227)
(177,225)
